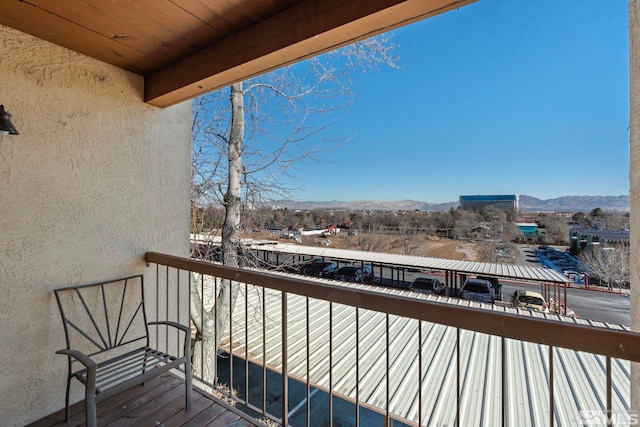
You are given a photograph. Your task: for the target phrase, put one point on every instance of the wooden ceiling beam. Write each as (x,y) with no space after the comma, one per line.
(309,28)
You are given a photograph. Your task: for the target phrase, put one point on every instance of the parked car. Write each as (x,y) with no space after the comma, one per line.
(355,273)
(529,300)
(324,269)
(480,290)
(427,285)
(495,283)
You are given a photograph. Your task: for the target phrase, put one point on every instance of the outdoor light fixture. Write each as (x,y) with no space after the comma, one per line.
(6,127)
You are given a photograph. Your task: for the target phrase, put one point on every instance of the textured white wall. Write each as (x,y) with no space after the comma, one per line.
(95,179)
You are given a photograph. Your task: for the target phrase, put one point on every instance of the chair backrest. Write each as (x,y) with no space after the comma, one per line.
(103,316)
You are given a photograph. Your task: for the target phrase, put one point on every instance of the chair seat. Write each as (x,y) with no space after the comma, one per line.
(126,367)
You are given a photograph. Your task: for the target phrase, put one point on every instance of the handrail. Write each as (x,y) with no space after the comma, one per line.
(597,340)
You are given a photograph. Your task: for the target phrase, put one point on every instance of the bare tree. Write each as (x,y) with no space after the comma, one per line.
(371,241)
(554,229)
(465,222)
(245,144)
(441,223)
(410,241)
(411,229)
(611,265)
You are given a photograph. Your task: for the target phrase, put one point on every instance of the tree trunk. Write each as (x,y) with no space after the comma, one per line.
(233,196)
(213,323)
(233,207)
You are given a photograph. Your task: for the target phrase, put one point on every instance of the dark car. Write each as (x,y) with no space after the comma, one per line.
(319,269)
(479,290)
(427,285)
(354,273)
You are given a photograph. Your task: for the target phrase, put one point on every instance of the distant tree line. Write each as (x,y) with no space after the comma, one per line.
(489,225)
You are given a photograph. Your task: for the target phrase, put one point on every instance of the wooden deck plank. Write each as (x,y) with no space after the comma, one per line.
(149,410)
(225,419)
(180,417)
(159,402)
(203,418)
(76,410)
(121,404)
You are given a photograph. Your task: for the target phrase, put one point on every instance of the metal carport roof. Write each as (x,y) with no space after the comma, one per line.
(466,267)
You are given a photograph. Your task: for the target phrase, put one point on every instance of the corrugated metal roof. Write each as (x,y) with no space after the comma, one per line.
(579,378)
(608,235)
(467,267)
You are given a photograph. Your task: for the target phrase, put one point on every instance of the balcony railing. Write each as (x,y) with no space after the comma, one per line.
(296,348)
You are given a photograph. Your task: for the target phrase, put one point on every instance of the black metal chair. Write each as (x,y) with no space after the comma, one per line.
(108,346)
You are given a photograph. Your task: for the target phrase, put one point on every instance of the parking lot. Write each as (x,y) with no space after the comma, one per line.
(590,304)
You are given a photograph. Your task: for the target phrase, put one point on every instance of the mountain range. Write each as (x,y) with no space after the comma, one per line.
(527,204)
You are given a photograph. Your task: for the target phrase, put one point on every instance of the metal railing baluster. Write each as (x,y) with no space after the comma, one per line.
(503,369)
(178,319)
(330,364)
(387,420)
(420,373)
(230,311)
(215,326)
(609,397)
(157,307)
(308,337)
(246,342)
(551,397)
(458,377)
(166,309)
(285,371)
(357,367)
(264,352)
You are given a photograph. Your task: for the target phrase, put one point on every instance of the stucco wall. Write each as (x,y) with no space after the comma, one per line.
(95,179)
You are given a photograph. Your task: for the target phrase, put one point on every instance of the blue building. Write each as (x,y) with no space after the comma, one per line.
(528,228)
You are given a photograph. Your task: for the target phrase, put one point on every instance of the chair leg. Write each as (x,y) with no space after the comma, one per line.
(188,384)
(66,400)
(90,398)
(90,409)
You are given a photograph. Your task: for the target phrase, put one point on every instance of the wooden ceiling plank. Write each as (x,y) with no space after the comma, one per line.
(122,20)
(21,16)
(201,10)
(220,14)
(181,27)
(304,30)
(254,13)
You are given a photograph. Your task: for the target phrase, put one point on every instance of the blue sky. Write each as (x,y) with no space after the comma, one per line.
(498,97)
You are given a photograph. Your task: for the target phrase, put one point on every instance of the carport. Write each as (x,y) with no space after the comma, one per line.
(552,283)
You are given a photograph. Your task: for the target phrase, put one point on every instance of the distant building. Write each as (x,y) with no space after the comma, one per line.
(504,202)
(528,228)
(586,238)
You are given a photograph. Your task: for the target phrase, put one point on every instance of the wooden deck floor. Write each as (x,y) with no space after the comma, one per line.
(160,402)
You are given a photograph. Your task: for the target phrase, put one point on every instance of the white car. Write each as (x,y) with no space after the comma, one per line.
(529,300)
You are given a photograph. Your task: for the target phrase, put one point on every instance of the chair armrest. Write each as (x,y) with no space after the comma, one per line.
(79,356)
(174,324)
(185,329)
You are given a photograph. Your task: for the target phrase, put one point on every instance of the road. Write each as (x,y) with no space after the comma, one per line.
(595,305)
(590,304)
